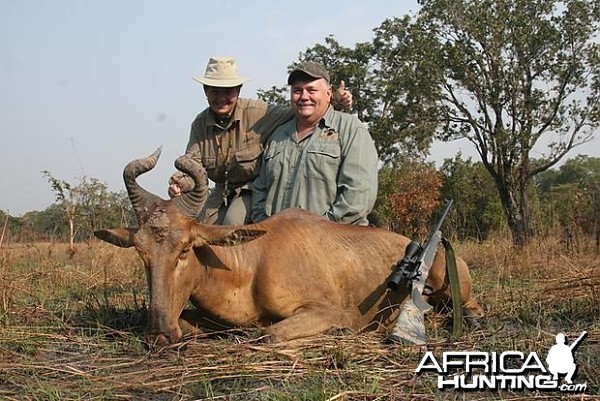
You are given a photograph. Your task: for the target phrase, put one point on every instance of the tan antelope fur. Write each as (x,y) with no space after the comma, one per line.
(295,274)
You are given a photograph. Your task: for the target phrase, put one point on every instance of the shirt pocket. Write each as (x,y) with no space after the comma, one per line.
(323,161)
(247,164)
(273,159)
(210,165)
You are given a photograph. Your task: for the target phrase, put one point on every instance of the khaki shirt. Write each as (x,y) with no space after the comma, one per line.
(332,172)
(234,148)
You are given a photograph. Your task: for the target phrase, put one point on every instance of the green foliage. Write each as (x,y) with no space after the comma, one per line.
(583,170)
(386,96)
(508,75)
(274,96)
(80,208)
(49,224)
(513,74)
(571,197)
(13,225)
(477,210)
(405,114)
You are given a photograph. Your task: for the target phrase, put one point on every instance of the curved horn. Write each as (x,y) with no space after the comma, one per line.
(190,203)
(140,198)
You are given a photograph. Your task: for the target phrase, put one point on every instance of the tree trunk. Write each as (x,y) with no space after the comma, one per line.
(4,230)
(71,251)
(520,231)
(513,212)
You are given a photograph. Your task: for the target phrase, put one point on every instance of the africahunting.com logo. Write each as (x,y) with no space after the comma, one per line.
(509,370)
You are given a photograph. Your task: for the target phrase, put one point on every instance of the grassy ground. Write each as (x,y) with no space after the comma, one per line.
(70,329)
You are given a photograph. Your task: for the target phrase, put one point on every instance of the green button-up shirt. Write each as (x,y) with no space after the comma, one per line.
(332,172)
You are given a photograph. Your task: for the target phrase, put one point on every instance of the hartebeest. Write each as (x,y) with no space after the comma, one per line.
(295,274)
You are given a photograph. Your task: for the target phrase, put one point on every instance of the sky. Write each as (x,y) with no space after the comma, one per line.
(86,86)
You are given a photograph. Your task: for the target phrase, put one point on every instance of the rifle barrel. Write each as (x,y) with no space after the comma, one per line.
(440,220)
(576,342)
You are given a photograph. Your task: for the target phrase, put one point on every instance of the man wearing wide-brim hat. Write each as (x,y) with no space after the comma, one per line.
(229,137)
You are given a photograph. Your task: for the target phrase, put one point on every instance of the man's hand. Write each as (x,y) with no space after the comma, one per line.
(342,97)
(180,183)
(174,187)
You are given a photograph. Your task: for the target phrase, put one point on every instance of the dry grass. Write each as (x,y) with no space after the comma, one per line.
(70,329)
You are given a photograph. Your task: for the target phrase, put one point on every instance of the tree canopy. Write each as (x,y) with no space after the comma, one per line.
(517,78)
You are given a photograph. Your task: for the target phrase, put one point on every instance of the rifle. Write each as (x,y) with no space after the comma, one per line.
(576,342)
(408,268)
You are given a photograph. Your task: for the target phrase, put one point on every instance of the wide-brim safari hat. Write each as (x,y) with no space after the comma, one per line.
(221,72)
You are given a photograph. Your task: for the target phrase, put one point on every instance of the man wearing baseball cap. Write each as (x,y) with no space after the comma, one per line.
(229,135)
(322,160)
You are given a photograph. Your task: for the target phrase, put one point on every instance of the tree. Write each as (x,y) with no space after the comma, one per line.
(512,76)
(571,196)
(99,207)
(49,224)
(515,77)
(9,226)
(4,218)
(87,205)
(274,96)
(388,97)
(66,198)
(477,210)
(390,94)
(408,198)
(352,65)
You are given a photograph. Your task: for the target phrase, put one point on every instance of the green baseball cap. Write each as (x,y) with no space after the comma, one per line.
(310,68)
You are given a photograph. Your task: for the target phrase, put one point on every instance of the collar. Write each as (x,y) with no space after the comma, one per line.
(325,122)
(327,119)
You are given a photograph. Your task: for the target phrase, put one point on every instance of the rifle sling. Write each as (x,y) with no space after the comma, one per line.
(457,327)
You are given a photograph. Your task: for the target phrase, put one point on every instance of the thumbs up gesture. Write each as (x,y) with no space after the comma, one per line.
(342,97)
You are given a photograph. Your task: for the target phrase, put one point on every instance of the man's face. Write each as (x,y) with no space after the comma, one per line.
(310,98)
(222,100)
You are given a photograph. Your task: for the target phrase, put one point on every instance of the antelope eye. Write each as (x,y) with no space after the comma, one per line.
(186,248)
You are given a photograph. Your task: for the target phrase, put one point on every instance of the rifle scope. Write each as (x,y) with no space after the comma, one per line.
(406,270)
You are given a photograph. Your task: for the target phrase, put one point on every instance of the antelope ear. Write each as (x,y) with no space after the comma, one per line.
(224,236)
(236,237)
(122,237)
